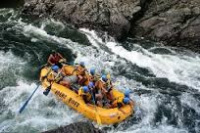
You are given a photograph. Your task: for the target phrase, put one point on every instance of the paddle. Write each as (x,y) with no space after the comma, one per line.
(97,115)
(47,90)
(27,101)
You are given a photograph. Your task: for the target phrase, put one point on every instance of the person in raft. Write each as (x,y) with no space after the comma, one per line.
(102,91)
(57,76)
(97,96)
(81,73)
(60,77)
(109,88)
(56,58)
(123,100)
(93,76)
(105,87)
(85,93)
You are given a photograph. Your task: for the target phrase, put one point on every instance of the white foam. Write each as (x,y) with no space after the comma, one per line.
(181,69)
(188,100)
(147,107)
(11,67)
(93,39)
(36,112)
(94,56)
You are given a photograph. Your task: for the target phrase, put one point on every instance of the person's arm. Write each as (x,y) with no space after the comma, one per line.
(62,60)
(104,90)
(60,56)
(51,77)
(49,60)
(44,77)
(63,71)
(132,103)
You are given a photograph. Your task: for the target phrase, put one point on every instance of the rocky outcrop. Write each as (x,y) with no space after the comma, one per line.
(79,127)
(176,22)
(107,15)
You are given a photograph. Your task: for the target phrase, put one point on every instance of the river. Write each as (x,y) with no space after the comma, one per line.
(165,80)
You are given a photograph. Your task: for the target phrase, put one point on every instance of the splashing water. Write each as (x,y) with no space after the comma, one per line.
(167,82)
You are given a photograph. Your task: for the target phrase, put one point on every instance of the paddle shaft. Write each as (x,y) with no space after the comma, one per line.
(97,115)
(27,101)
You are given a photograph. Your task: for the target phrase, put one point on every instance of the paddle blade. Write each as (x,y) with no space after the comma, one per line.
(47,90)
(23,107)
(27,101)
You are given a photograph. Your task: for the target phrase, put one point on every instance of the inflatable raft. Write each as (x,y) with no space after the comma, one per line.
(72,99)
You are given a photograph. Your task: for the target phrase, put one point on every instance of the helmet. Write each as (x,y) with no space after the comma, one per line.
(55,68)
(91,84)
(104,78)
(92,71)
(85,89)
(82,63)
(126,100)
(127,93)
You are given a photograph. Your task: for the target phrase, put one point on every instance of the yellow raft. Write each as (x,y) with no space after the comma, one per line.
(72,99)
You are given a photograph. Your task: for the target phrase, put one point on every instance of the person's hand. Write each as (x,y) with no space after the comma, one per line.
(43,78)
(63,60)
(105,91)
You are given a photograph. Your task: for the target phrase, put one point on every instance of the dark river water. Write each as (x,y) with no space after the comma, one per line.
(165,80)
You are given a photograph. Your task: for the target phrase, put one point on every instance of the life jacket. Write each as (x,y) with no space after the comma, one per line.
(118,102)
(69,70)
(80,70)
(55,76)
(100,84)
(109,85)
(94,78)
(86,96)
(55,58)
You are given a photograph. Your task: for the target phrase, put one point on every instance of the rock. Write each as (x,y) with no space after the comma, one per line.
(112,16)
(196,10)
(173,21)
(79,127)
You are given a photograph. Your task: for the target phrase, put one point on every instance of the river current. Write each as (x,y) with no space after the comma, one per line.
(165,81)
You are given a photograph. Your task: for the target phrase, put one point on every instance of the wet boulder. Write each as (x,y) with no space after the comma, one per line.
(79,127)
(112,16)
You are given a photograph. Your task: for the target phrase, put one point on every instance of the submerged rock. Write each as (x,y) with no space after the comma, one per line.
(79,127)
